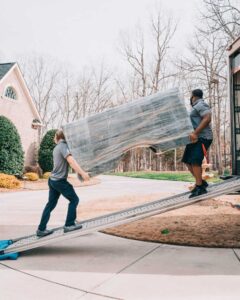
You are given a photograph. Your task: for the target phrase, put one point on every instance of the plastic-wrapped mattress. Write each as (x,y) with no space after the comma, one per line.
(159,121)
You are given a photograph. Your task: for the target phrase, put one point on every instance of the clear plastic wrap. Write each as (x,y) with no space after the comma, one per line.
(159,121)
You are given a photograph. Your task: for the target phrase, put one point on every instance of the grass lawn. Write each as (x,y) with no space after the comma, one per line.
(174,176)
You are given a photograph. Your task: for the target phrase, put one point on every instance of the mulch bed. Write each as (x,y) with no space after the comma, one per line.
(210,223)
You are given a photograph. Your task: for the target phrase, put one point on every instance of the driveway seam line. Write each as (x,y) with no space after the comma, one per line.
(129,265)
(138,259)
(60,284)
(238,258)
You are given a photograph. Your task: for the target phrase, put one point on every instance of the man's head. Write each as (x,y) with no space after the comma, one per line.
(59,135)
(196,94)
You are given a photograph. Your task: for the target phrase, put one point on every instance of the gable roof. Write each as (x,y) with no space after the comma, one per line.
(13,67)
(4,68)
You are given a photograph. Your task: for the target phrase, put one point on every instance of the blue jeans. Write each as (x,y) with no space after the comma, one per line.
(56,188)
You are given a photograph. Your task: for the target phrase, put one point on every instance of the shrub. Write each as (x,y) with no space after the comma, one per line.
(31,176)
(33,169)
(46,175)
(226,172)
(9,181)
(45,151)
(11,152)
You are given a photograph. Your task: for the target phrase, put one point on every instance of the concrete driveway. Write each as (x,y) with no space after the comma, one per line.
(99,266)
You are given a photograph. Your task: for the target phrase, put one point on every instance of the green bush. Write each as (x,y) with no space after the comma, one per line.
(11,152)
(45,155)
(226,172)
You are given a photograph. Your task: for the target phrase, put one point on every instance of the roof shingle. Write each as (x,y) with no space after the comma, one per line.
(4,68)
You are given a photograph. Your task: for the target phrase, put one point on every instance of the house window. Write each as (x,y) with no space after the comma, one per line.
(10,93)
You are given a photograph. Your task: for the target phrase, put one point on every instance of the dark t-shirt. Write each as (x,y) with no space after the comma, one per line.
(60,164)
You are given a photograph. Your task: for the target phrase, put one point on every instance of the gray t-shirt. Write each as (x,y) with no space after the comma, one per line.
(199,110)
(60,164)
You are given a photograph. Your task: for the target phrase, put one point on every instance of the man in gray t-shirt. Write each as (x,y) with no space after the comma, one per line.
(60,164)
(201,139)
(58,185)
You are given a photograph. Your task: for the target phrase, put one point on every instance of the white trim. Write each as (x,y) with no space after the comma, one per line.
(27,91)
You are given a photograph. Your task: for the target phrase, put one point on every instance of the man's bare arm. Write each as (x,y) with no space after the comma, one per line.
(75,166)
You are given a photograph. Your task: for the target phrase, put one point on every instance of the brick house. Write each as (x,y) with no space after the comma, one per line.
(17,105)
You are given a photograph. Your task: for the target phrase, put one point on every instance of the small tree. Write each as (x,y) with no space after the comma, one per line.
(11,152)
(46,151)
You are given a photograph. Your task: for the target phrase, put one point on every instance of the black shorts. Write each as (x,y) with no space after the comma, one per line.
(193,154)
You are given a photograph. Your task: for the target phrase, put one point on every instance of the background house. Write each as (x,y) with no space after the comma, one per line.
(17,105)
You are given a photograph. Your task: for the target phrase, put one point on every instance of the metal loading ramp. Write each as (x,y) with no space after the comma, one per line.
(123,217)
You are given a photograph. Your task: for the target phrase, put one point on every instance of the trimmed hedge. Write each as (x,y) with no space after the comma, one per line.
(45,154)
(33,169)
(9,182)
(31,176)
(46,175)
(11,152)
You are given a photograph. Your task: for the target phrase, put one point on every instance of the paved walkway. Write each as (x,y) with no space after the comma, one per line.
(99,266)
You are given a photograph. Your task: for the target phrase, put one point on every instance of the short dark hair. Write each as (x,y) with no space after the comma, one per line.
(197,93)
(59,135)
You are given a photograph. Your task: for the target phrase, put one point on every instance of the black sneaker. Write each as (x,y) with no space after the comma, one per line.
(204,183)
(194,189)
(42,233)
(197,191)
(76,226)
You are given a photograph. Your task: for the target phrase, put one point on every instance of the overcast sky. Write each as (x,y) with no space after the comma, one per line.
(82,32)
